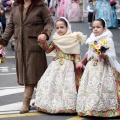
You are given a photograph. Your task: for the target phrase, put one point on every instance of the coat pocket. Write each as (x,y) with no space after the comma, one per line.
(33,44)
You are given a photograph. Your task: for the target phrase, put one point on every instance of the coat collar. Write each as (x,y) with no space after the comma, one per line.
(40,3)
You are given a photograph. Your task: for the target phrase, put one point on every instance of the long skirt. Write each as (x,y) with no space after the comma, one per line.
(104,10)
(56,90)
(99,91)
(75,13)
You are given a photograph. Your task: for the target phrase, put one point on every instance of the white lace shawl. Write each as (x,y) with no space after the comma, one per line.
(110,52)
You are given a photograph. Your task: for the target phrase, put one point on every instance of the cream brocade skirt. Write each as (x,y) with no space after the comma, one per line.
(56,90)
(97,91)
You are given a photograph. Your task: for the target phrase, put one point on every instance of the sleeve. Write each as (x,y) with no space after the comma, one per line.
(8,31)
(48,22)
(47,48)
(76,58)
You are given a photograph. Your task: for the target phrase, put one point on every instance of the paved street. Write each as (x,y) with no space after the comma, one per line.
(11,93)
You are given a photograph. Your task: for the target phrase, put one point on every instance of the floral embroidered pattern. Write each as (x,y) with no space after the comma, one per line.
(99,93)
(57,89)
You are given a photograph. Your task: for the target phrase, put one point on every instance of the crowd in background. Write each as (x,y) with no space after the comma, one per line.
(5,8)
(66,8)
(73,10)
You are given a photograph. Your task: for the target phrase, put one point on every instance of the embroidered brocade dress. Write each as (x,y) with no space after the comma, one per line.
(99,91)
(57,89)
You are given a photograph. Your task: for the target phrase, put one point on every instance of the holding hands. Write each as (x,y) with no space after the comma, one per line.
(42,38)
(80,65)
(102,56)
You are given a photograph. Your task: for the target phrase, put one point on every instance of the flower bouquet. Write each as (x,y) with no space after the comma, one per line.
(100,47)
(2,55)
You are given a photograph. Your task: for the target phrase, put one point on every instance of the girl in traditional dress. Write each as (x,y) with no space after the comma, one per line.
(99,91)
(57,89)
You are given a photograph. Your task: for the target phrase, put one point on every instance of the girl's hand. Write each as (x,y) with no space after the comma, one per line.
(79,65)
(42,38)
(102,56)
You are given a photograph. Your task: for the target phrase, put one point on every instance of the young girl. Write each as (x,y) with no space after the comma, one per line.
(99,93)
(57,89)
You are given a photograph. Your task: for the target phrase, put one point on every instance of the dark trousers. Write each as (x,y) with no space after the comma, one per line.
(48,3)
(90,17)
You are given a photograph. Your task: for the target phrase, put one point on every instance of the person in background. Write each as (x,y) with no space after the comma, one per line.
(30,58)
(1,15)
(90,9)
(61,8)
(113,7)
(104,10)
(7,4)
(48,2)
(74,12)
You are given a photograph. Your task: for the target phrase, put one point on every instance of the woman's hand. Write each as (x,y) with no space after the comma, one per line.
(102,56)
(42,38)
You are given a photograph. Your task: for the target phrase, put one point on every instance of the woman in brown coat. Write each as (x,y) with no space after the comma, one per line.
(30,22)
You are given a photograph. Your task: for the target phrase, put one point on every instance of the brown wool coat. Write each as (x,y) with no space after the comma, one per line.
(30,58)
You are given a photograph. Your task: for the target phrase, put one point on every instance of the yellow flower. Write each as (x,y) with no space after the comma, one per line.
(104,41)
(93,46)
(98,51)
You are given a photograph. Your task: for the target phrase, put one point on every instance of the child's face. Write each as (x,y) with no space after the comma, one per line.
(61,28)
(91,3)
(98,29)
